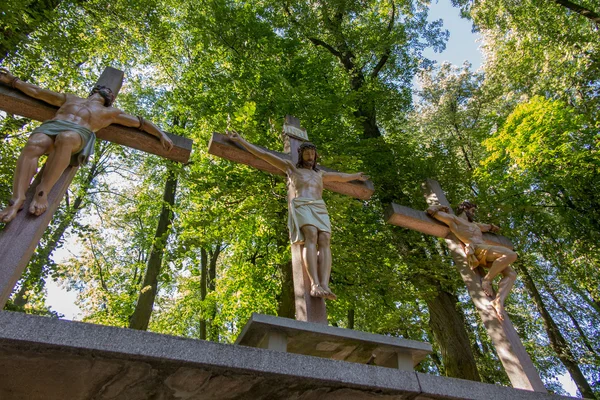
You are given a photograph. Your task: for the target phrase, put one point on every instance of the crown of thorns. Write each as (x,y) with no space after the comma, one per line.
(464,205)
(109,98)
(306,146)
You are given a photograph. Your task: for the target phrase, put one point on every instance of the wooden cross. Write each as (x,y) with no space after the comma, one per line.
(308,308)
(21,236)
(512,354)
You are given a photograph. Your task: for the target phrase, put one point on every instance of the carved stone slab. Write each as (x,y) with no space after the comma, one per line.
(324,341)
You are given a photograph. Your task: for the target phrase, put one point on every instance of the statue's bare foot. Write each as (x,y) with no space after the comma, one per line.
(318,291)
(39,204)
(330,294)
(499,308)
(487,287)
(10,212)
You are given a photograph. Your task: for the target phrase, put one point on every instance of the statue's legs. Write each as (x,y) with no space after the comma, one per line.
(324,262)
(501,258)
(65,144)
(509,276)
(37,145)
(310,260)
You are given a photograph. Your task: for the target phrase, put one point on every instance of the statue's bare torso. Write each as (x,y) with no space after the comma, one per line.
(467,232)
(86,113)
(307,183)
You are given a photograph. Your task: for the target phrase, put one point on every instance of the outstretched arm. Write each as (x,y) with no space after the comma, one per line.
(441,213)
(488,227)
(146,126)
(342,177)
(50,97)
(279,163)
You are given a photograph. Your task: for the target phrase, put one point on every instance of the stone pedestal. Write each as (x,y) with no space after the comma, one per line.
(318,340)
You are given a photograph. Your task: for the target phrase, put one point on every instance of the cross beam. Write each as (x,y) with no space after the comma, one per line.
(308,308)
(221,146)
(15,102)
(420,221)
(510,350)
(21,236)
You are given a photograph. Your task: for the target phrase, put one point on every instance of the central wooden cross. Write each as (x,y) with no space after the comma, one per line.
(20,237)
(308,308)
(510,350)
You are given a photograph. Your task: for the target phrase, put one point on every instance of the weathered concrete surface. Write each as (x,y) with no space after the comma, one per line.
(44,358)
(438,387)
(330,342)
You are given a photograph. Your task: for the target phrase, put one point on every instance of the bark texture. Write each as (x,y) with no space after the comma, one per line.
(448,327)
(143,308)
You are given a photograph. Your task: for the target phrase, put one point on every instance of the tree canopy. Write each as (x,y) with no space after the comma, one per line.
(193,250)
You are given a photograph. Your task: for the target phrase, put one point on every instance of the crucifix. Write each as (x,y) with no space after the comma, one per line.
(73,121)
(512,353)
(308,221)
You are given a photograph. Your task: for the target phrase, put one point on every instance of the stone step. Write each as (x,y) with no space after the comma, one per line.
(319,340)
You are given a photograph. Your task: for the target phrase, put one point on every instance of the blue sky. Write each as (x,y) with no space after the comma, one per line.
(462,44)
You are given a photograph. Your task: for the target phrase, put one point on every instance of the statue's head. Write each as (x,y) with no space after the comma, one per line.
(307,156)
(468,208)
(106,93)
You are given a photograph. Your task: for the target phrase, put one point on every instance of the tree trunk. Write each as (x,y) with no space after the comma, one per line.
(557,340)
(448,327)
(212,284)
(203,283)
(286,306)
(351,314)
(143,308)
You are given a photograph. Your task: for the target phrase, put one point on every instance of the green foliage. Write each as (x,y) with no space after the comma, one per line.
(521,139)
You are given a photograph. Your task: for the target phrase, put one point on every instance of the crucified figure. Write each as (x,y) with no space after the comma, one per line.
(496,258)
(68,138)
(308,220)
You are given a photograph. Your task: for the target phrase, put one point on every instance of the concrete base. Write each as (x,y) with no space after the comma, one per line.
(311,339)
(45,358)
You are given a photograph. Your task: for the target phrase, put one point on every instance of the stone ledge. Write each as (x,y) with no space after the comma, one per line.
(138,363)
(439,387)
(325,341)
(51,359)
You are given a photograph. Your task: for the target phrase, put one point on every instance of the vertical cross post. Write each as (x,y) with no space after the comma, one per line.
(308,308)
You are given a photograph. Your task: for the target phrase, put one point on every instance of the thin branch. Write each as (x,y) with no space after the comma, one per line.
(386,54)
(589,14)
(332,50)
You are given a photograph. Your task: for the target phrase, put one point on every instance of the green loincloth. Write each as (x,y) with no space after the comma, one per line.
(303,211)
(53,127)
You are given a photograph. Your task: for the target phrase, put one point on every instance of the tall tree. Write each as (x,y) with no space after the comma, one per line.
(143,308)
